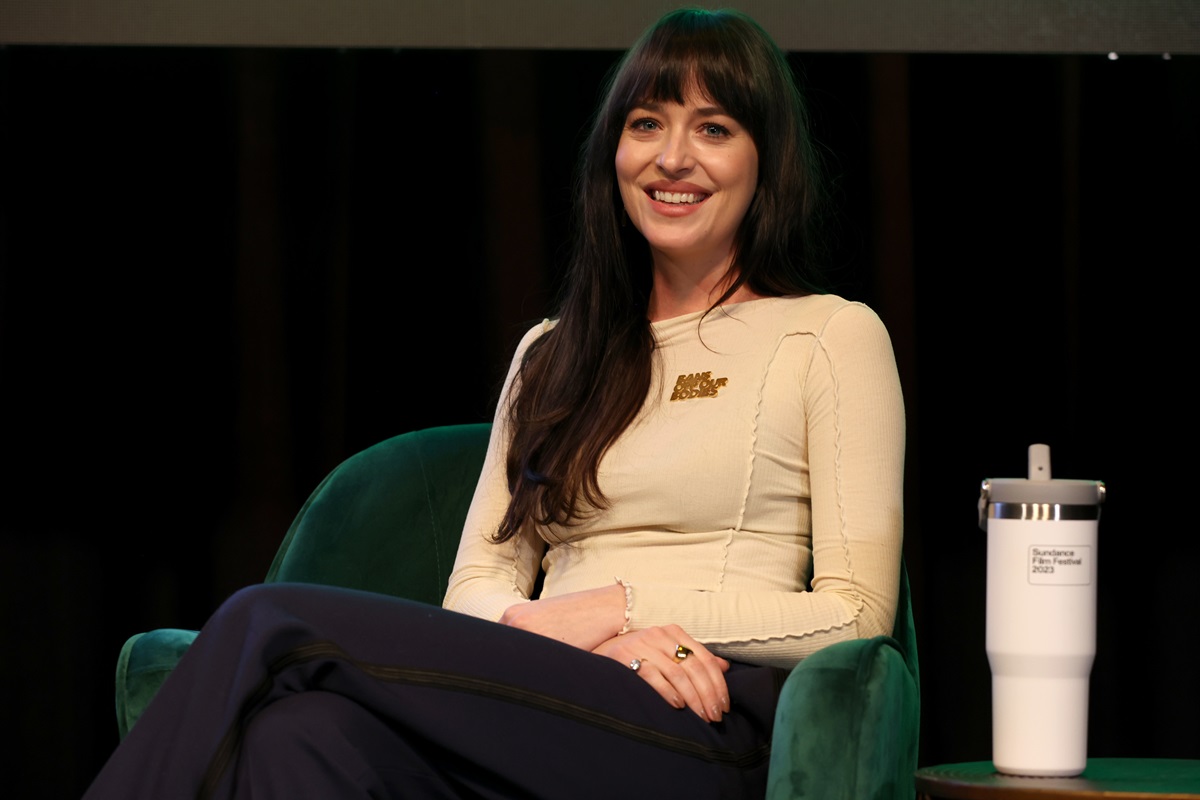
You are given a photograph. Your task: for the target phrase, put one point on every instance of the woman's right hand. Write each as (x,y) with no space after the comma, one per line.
(697,681)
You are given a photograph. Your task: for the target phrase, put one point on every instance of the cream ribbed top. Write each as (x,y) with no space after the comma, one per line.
(756,500)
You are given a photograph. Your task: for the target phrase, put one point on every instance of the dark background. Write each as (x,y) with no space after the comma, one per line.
(224,270)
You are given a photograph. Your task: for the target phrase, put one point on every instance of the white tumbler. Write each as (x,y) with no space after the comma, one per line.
(1041,616)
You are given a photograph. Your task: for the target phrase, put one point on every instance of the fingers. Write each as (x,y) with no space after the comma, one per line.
(700,678)
(675,665)
(686,674)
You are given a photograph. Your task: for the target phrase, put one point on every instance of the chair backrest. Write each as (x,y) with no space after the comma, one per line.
(389,518)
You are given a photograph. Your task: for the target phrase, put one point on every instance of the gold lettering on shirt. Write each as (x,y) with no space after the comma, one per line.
(697,384)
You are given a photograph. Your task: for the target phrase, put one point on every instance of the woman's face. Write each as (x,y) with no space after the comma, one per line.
(687,174)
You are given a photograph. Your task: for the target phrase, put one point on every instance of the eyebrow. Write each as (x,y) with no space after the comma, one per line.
(704,111)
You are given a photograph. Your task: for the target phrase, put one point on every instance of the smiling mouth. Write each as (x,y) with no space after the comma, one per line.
(678,198)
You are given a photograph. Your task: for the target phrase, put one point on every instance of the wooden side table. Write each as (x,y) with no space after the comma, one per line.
(1128,778)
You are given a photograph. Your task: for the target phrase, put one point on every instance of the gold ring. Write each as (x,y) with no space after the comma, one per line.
(681,652)
(636,664)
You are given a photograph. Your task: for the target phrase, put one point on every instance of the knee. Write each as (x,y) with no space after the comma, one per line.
(248,608)
(243,602)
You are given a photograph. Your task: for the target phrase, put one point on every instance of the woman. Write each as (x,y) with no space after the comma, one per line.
(694,481)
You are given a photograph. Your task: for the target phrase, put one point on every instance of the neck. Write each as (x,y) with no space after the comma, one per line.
(678,289)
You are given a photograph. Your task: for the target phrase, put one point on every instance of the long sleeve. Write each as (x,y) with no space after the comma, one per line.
(487,577)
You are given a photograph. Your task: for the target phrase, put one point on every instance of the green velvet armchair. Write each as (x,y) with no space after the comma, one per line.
(388,520)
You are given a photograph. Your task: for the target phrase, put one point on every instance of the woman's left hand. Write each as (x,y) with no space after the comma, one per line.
(696,681)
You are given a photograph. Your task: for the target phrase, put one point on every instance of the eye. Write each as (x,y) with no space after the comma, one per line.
(643,124)
(714,130)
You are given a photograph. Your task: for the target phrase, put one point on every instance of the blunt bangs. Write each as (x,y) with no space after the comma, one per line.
(713,53)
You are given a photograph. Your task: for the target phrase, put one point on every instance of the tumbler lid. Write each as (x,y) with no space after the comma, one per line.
(1039,488)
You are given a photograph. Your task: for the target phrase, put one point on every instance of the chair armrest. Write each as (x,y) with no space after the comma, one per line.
(145,661)
(847,725)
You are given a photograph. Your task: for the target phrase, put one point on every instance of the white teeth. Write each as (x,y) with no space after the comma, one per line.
(674,197)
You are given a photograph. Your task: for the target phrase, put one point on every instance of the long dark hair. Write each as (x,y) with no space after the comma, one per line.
(581,384)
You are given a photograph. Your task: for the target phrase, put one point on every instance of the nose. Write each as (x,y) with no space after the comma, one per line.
(676,155)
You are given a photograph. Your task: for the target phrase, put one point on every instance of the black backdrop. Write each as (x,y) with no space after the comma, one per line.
(224,270)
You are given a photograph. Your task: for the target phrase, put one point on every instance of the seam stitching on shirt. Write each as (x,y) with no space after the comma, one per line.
(837,463)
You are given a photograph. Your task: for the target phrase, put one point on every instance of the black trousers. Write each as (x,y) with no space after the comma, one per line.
(298,691)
